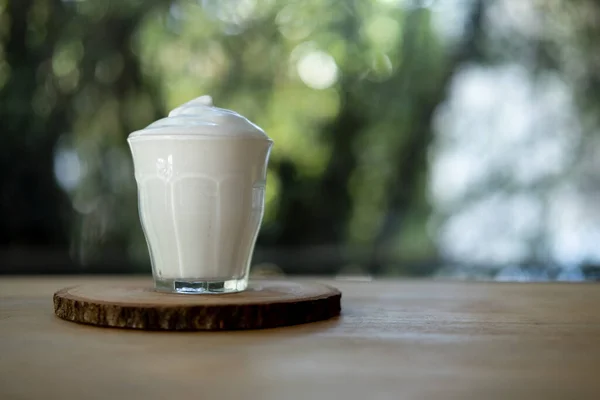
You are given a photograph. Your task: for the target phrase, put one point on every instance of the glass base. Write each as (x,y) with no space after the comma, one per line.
(198,286)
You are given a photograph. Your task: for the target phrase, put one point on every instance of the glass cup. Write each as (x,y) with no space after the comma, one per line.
(201,201)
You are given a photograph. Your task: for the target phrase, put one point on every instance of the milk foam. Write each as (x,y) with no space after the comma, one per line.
(200,117)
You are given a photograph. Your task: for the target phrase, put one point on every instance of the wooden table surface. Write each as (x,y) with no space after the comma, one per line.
(395,340)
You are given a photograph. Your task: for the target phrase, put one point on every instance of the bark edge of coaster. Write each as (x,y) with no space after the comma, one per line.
(265,304)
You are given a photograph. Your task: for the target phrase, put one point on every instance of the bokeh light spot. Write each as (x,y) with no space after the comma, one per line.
(317,69)
(383,32)
(67,168)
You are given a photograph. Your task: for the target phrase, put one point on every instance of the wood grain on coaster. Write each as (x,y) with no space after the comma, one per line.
(266,304)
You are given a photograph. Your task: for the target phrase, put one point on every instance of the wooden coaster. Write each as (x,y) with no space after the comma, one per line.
(266,304)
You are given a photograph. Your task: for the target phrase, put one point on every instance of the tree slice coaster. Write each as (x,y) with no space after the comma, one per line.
(265,304)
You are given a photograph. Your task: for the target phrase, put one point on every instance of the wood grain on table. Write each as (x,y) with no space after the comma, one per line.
(394,340)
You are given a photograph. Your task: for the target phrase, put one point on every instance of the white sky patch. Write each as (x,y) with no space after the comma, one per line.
(449,18)
(504,143)
(574,228)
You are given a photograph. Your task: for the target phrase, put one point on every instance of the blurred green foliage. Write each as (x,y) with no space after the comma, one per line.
(340,87)
(348,91)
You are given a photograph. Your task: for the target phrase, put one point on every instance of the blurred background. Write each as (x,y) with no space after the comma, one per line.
(448,138)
